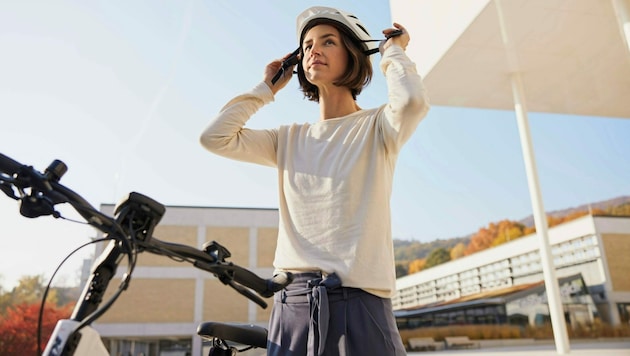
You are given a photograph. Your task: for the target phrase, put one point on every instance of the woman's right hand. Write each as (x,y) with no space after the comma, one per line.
(270,71)
(402,40)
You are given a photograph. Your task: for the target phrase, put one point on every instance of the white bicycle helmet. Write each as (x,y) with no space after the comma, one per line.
(348,20)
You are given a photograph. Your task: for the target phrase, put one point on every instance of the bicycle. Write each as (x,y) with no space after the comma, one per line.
(129,231)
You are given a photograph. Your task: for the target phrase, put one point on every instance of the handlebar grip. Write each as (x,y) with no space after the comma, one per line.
(228,272)
(251,280)
(248,294)
(8,165)
(264,287)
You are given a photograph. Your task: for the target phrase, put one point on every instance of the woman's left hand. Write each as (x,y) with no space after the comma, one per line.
(401,40)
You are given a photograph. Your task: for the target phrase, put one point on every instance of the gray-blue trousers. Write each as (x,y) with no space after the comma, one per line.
(317,316)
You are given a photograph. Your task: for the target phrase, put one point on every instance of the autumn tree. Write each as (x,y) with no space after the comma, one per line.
(30,289)
(437,256)
(19,313)
(481,240)
(557,220)
(402,269)
(18,327)
(553,220)
(417,265)
(529,230)
(495,234)
(2,294)
(507,231)
(458,251)
(619,210)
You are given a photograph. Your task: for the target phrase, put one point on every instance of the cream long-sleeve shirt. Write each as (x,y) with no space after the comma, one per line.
(334,176)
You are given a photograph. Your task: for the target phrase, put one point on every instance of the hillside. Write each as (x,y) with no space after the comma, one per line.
(601,205)
(408,251)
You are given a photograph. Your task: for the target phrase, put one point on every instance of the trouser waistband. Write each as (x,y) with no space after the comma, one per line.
(303,283)
(319,291)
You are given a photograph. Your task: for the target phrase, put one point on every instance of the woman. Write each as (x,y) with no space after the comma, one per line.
(335,178)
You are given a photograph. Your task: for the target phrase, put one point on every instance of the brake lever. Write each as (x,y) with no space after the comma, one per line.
(226,276)
(290,61)
(247,293)
(7,188)
(42,197)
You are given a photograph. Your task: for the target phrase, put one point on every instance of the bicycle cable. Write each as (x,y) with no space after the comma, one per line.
(124,283)
(48,287)
(126,249)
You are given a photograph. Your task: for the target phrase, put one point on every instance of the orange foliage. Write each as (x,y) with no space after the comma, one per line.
(619,210)
(417,265)
(530,230)
(494,234)
(18,327)
(458,251)
(506,230)
(557,220)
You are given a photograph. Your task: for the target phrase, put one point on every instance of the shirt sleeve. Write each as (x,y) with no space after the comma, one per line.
(408,102)
(227,136)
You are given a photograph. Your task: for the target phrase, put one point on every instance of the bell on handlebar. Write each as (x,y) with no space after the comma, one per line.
(56,170)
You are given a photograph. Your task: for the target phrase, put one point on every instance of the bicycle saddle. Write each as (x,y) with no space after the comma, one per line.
(246,334)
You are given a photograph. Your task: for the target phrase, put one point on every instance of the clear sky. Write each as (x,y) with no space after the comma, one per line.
(120,92)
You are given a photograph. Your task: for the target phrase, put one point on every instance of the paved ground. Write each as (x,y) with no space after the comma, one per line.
(607,348)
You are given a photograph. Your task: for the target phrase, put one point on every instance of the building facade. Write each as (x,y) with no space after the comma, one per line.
(166,299)
(591,260)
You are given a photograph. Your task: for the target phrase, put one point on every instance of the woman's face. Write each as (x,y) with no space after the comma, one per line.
(324,56)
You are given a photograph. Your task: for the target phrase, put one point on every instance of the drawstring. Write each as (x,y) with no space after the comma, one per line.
(317,292)
(320,313)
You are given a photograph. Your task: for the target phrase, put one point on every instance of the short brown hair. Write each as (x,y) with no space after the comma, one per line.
(358,72)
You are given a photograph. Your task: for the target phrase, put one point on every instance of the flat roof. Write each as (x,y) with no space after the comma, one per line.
(492,297)
(571,55)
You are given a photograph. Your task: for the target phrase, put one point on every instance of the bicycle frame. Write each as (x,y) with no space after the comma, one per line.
(90,341)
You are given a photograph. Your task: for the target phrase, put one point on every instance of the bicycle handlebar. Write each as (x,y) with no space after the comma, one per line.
(137,215)
(8,165)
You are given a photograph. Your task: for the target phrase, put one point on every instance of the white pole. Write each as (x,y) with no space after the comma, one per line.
(556,310)
(622,11)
